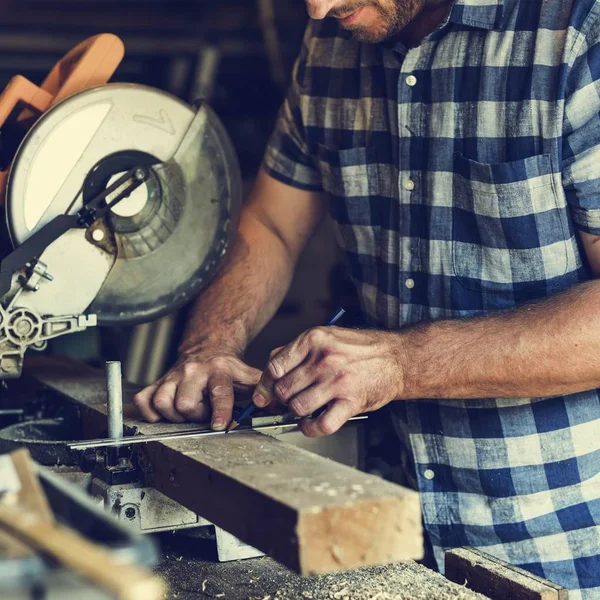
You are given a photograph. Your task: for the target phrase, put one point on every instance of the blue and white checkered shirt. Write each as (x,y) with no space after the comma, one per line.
(458,172)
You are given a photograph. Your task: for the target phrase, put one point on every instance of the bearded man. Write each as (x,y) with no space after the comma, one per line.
(456,144)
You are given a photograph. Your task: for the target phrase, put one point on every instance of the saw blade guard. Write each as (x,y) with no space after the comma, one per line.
(158,248)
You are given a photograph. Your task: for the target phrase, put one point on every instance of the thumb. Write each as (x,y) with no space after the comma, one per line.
(246,374)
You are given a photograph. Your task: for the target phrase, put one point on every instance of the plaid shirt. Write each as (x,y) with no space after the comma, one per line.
(458,172)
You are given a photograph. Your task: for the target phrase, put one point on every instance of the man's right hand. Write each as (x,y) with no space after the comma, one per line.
(276,222)
(199,387)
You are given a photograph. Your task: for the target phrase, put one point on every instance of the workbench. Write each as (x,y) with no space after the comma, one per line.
(192,574)
(273,496)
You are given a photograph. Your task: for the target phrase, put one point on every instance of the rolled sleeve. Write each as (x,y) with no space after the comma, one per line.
(581,134)
(287,157)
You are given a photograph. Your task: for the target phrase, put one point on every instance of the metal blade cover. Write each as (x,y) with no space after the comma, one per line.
(167,240)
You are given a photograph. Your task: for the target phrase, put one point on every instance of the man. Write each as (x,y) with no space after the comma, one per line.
(458,144)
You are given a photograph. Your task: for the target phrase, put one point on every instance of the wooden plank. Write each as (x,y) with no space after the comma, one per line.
(31,496)
(310,513)
(26,517)
(497,579)
(88,560)
(11,494)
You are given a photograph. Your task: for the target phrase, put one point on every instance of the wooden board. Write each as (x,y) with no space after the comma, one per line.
(31,522)
(497,579)
(32,498)
(310,513)
(29,498)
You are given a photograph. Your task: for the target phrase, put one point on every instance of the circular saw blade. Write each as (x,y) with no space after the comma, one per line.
(169,245)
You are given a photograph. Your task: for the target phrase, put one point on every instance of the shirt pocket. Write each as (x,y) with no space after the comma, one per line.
(509,229)
(351,179)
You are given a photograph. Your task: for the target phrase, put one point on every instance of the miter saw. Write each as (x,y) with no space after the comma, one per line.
(121,201)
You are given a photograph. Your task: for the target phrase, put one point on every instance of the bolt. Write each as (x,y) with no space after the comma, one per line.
(36,288)
(97,235)
(23,327)
(130,513)
(140,174)
(91,457)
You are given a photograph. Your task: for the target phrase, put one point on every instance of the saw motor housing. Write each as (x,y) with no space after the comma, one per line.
(121,203)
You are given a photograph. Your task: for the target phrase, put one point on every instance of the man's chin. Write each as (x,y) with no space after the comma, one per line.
(368,36)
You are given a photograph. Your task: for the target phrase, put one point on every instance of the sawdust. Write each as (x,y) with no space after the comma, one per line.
(403,581)
(192,578)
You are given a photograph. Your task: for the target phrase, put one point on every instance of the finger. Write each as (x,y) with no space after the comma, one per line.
(337,413)
(245,375)
(262,396)
(279,364)
(295,382)
(220,389)
(291,356)
(143,402)
(163,402)
(275,351)
(189,401)
(310,400)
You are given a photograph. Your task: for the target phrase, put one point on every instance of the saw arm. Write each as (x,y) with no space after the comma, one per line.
(80,250)
(22,327)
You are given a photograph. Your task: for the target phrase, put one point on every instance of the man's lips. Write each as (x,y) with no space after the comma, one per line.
(351,18)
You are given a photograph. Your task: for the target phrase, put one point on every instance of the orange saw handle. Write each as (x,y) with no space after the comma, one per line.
(90,63)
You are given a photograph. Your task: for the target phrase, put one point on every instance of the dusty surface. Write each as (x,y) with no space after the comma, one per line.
(310,513)
(263,579)
(291,475)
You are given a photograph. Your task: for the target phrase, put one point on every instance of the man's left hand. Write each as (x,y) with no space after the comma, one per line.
(349,371)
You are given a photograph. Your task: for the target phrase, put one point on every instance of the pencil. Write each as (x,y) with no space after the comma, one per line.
(337,315)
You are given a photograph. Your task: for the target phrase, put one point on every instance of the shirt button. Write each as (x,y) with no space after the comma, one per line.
(410,283)
(409,185)
(411,81)
(428,474)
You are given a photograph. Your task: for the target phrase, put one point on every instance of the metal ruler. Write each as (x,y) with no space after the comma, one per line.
(185,434)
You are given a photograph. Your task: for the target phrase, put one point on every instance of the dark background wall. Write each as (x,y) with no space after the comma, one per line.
(237,54)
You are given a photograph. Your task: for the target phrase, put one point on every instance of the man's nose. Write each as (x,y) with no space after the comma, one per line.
(318,9)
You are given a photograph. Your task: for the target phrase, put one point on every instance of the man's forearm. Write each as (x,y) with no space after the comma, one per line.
(543,349)
(245,294)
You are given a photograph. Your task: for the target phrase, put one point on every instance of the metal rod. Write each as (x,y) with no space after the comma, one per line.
(188,433)
(10,412)
(114,387)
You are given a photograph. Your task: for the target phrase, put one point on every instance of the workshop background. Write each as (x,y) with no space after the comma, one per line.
(238,55)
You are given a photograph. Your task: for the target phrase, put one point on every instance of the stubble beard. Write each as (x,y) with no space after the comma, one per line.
(395,15)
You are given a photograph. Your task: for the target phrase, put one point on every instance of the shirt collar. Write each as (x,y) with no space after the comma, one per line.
(484,14)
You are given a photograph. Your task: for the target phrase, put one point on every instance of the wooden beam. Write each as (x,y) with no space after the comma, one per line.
(31,522)
(497,579)
(312,514)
